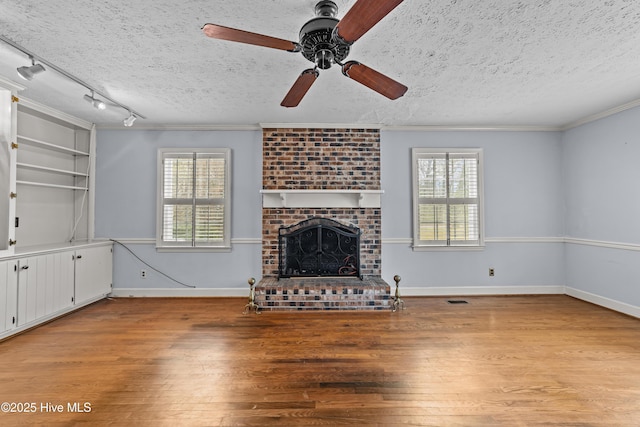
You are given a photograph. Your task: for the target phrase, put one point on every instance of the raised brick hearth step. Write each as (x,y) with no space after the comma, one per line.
(371,293)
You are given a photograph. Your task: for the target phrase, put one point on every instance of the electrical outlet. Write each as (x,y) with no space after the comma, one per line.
(143,274)
(491,272)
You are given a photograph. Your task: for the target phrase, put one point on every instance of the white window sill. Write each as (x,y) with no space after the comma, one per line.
(425,248)
(193,249)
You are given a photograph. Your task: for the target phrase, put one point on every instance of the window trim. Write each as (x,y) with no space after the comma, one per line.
(416,153)
(163,246)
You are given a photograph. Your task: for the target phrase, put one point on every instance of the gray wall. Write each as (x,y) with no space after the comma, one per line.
(602,207)
(523,215)
(126,209)
(542,189)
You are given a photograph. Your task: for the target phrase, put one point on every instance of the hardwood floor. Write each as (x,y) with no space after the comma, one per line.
(496,361)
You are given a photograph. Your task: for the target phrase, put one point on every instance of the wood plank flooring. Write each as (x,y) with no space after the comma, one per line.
(496,361)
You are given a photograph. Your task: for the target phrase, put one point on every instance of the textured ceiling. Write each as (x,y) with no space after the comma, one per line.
(545,63)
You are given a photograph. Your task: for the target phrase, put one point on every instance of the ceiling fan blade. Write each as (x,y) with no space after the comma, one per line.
(235,35)
(362,17)
(374,80)
(300,88)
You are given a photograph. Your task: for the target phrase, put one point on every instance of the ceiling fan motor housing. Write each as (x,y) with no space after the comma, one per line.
(317,42)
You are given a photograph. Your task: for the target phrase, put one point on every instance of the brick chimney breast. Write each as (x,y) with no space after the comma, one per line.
(322,159)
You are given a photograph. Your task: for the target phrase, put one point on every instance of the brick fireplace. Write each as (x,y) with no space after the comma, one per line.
(327,173)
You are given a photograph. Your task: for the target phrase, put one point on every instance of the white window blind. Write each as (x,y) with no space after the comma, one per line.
(194,198)
(447,198)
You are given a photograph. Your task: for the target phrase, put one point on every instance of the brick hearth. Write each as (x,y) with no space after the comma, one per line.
(334,293)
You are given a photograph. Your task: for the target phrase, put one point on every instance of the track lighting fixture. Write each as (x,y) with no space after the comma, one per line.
(28,73)
(128,122)
(95,102)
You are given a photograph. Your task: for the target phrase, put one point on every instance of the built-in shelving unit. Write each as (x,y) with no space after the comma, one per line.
(49,263)
(53,176)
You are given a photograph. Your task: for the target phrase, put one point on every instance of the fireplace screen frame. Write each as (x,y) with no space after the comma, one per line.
(319,247)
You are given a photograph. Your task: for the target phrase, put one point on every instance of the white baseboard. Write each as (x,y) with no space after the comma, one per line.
(479,290)
(178,292)
(611,304)
(404,291)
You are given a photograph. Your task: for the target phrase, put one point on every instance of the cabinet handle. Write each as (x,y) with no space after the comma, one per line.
(24,267)
(78,256)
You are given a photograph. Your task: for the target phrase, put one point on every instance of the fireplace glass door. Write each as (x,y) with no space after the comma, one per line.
(319,247)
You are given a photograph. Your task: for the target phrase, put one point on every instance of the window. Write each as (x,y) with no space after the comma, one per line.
(193,199)
(447,195)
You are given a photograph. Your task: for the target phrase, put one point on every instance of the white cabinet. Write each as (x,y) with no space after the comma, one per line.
(36,288)
(93,273)
(8,295)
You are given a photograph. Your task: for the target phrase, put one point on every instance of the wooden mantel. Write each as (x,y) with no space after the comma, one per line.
(321,198)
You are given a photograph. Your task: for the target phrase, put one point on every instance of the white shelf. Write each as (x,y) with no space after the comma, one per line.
(52,170)
(321,198)
(43,184)
(50,146)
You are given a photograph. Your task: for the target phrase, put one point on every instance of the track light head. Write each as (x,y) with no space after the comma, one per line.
(128,122)
(95,102)
(28,73)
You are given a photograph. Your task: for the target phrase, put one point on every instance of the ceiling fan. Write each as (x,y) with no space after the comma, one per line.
(326,40)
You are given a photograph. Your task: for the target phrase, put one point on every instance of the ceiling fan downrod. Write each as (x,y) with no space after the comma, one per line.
(326,8)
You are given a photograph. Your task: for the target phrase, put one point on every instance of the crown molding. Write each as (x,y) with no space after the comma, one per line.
(142,126)
(602,115)
(11,85)
(462,128)
(381,127)
(320,126)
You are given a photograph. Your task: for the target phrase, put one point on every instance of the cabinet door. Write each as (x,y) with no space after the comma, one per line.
(93,273)
(8,295)
(59,283)
(45,286)
(27,290)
